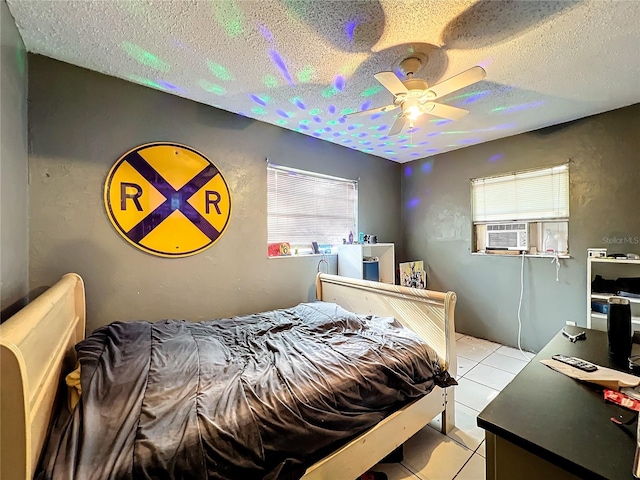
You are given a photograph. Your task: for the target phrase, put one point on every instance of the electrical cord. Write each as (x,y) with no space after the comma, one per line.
(520,307)
(323,260)
(556,260)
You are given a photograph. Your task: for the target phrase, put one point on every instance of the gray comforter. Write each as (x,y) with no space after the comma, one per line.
(260,396)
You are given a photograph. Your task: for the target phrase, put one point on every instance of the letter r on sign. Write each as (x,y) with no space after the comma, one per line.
(210,201)
(126,194)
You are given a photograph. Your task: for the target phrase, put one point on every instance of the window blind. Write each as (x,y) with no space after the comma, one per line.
(303,207)
(533,195)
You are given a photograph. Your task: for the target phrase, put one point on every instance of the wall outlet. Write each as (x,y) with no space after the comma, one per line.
(569,322)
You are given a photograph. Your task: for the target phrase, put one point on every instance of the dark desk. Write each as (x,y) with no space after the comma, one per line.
(547,425)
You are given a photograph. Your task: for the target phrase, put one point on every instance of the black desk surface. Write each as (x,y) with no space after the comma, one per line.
(561,420)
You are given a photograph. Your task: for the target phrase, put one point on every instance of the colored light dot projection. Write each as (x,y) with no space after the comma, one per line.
(279,62)
(350,28)
(219,71)
(375,116)
(144,57)
(212,87)
(282,113)
(346,111)
(270,81)
(259,100)
(259,111)
(329,92)
(371,91)
(228,16)
(306,74)
(281,122)
(315,111)
(297,101)
(339,83)
(317,119)
(146,81)
(304,122)
(332,122)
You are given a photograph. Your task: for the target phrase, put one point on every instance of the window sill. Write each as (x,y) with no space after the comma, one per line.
(305,255)
(528,255)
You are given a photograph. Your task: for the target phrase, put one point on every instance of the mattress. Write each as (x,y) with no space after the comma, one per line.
(260,396)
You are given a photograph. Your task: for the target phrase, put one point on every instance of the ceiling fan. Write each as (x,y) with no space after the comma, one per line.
(416,98)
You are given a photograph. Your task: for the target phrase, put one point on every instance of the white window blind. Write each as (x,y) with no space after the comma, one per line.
(532,195)
(303,207)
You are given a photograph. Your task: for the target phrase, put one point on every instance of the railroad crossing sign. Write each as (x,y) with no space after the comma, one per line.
(167,199)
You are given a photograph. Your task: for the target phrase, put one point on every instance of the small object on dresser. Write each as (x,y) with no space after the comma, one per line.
(596,252)
(350,238)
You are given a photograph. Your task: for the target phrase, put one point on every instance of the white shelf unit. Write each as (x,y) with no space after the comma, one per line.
(611,269)
(350,260)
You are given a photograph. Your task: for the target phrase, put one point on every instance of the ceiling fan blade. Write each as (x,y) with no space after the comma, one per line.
(398,125)
(464,79)
(447,111)
(371,111)
(391,82)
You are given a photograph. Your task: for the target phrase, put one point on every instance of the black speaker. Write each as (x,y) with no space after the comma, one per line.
(619,327)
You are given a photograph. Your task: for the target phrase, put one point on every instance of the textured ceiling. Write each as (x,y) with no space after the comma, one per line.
(302,65)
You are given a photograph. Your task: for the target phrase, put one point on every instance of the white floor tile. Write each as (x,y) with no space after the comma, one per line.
(464,365)
(482,450)
(466,431)
(515,353)
(473,394)
(490,376)
(475,349)
(474,469)
(504,362)
(394,471)
(433,456)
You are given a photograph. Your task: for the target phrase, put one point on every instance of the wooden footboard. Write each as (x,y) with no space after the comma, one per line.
(35,345)
(430,315)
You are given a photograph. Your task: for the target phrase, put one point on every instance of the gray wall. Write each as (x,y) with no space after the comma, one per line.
(605,202)
(14,238)
(81,122)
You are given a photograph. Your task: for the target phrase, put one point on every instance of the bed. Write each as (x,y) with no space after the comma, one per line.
(37,349)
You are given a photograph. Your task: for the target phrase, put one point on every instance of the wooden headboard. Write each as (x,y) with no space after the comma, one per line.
(36,346)
(428,313)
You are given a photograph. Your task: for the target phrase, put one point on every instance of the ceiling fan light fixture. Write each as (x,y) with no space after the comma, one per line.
(413,112)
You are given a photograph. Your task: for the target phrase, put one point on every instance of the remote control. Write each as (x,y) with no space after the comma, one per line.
(576,362)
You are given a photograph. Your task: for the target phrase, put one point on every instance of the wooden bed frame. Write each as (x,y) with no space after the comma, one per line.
(37,350)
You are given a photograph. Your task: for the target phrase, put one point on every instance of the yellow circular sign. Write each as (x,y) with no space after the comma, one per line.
(167,199)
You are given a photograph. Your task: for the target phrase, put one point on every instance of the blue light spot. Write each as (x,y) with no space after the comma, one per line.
(375,116)
(303,127)
(300,105)
(342,119)
(258,100)
(316,134)
(415,154)
(381,145)
(390,152)
(433,134)
(384,137)
(427,167)
(266,33)
(496,157)
(167,85)
(362,135)
(413,129)
(431,150)
(336,134)
(346,140)
(339,83)
(332,109)
(351,127)
(382,127)
(404,140)
(282,113)
(408,171)
(413,203)
(475,97)
(349,28)
(444,121)
(277,59)
(364,142)
(317,119)
(426,142)
(368,149)
(327,129)
(366,105)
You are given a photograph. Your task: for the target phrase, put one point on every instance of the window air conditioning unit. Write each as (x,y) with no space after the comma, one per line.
(507,236)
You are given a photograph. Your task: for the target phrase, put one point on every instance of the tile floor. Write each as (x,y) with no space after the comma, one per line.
(484,369)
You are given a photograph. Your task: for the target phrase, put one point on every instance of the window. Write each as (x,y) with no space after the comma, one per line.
(304,207)
(522,211)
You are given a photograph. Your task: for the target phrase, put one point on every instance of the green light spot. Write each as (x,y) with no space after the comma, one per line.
(332,122)
(259,110)
(389,143)
(315,111)
(144,57)
(281,122)
(371,91)
(299,130)
(304,122)
(228,16)
(320,130)
(306,74)
(211,87)
(347,111)
(291,114)
(270,81)
(219,71)
(330,91)
(375,127)
(403,136)
(146,81)
(499,109)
